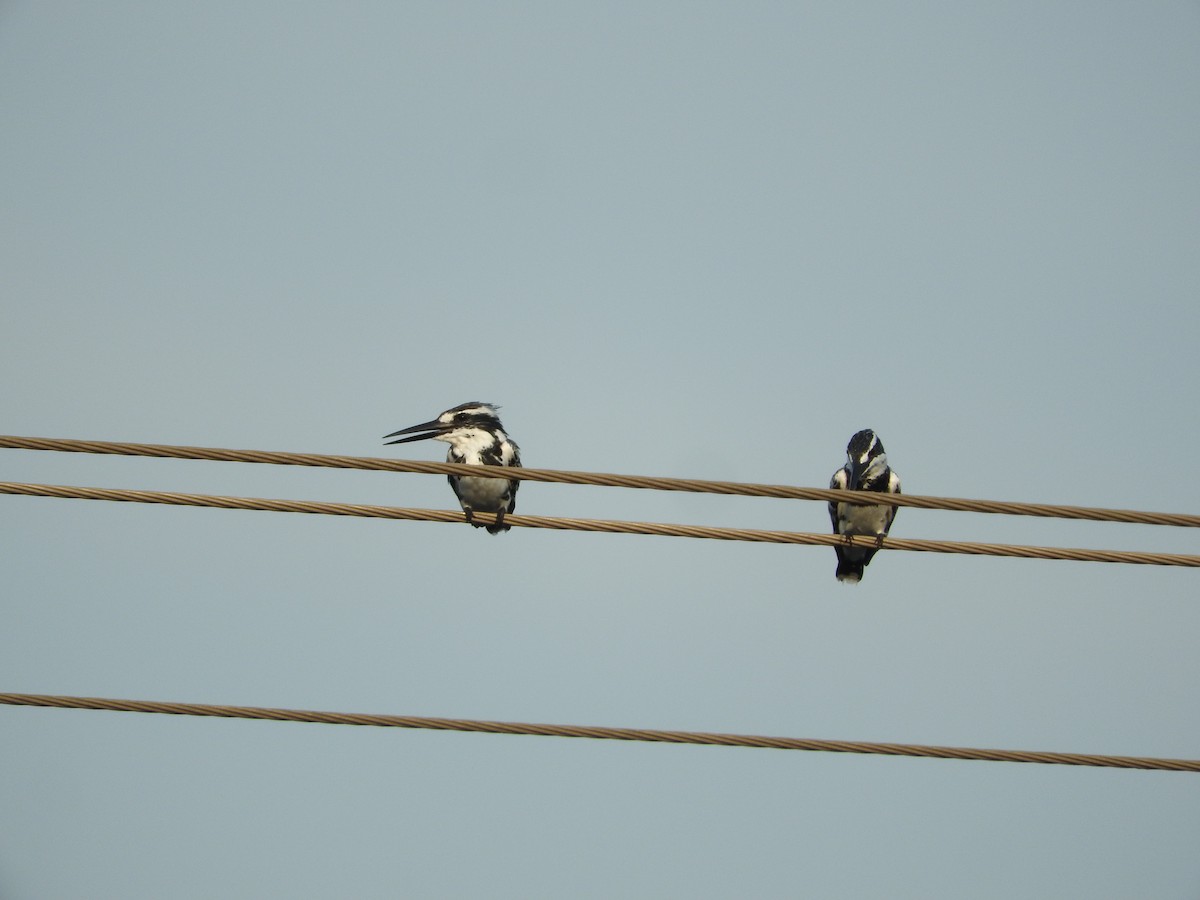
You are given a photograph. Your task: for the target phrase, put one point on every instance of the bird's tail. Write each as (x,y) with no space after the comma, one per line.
(850,570)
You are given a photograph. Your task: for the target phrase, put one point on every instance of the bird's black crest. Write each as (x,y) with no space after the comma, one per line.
(486,418)
(861,442)
(474,404)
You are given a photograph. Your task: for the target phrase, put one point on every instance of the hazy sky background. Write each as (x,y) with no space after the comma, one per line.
(692,239)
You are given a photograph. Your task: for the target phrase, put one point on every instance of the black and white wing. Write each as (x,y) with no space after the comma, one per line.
(515,462)
(838,483)
(893,487)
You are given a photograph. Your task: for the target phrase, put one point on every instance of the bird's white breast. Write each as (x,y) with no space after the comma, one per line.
(871,520)
(484,494)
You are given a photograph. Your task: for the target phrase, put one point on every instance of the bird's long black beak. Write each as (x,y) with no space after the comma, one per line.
(433,428)
(856,473)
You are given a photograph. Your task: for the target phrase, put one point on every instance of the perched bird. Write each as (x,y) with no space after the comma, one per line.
(476,438)
(866,469)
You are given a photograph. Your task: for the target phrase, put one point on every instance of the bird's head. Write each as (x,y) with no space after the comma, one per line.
(465,424)
(865,458)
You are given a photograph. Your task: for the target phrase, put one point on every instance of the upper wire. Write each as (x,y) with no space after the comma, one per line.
(1042,510)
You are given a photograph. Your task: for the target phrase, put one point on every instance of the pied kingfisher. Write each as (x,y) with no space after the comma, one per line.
(476,438)
(866,469)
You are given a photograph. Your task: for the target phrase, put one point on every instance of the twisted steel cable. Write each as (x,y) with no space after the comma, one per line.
(601,732)
(608,526)
(1043,510)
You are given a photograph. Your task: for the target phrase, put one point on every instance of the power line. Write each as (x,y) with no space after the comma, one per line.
(1042,510)
(607,526)
(601,732)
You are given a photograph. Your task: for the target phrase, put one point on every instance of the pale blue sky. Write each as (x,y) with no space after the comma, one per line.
(694,239)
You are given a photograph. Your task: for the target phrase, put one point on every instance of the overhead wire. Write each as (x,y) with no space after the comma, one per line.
(601,526)
(1042,510)
(602,732)
(607,526)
